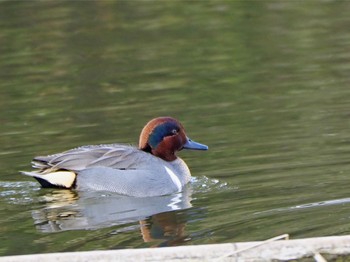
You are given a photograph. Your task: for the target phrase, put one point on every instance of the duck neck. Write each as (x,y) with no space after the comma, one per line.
(167,155)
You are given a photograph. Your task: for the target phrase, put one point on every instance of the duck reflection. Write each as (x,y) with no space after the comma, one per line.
(167,229)
(159,217)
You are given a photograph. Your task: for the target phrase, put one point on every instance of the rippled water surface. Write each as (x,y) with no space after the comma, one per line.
(265,84)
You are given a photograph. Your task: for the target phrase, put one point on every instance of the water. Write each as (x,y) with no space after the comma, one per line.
(264,84)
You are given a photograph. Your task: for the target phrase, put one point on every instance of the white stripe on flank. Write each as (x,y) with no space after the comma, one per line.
(174,178)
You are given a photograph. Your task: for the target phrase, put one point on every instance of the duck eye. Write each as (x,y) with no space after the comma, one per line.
(174,131)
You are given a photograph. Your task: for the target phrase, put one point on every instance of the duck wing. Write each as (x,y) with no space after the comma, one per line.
(114,156)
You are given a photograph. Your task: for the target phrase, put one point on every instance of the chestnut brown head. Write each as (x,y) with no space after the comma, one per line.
(164,136)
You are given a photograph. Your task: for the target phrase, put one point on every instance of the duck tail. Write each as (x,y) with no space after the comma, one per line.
(58,179)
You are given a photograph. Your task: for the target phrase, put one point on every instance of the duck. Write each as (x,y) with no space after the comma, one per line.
(151,169)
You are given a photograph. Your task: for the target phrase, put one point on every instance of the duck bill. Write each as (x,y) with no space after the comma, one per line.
(190,144)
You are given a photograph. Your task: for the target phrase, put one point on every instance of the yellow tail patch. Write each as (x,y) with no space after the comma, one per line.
(58,178)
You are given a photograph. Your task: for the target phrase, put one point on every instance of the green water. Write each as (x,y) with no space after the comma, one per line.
(265,84)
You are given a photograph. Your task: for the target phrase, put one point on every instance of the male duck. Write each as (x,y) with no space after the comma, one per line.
(153,169)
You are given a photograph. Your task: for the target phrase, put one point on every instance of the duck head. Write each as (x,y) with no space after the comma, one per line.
(164,136)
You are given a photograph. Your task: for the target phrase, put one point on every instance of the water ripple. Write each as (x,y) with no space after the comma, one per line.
(18,192)
(333,202)
(204,184)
